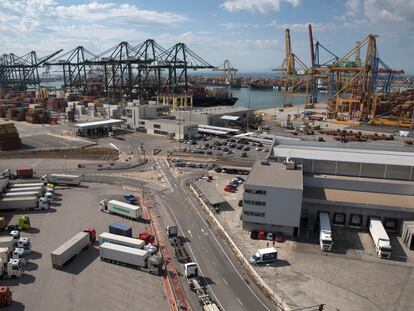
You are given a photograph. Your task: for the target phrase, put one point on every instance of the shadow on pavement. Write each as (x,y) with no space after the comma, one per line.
(80,262)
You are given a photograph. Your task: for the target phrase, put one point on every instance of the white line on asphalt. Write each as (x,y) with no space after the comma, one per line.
(189,232)
(225,281)
(222,249)
(192,253)
(198,236)
(239,301)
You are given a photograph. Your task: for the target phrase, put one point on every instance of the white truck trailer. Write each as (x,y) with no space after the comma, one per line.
(27,189)
(380,237)
(21,194)
(121,208)
(25,185)
(121,240)
(23,203)
(7,242)
(62,179)
(5,253)
(73,247)
(325,232)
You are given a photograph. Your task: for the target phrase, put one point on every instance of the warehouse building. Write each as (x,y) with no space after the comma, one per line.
(96,128)
(352,183)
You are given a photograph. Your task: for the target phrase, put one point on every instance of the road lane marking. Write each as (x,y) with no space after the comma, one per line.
(225,281)
(189,232)
(239,301)
(221,247)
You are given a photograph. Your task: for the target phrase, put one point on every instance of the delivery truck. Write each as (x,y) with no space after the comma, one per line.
(121,208)
(121,240)
(380,237)
(24,203)
(138,258)
(73,247)
(264,255)
(62,179)
(325,233)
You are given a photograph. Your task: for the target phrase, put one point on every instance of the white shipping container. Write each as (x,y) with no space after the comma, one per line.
(124,254)
(20,202)
(69,249)
(121,240)
(26,189)
(39,184)
(7,241)
(21,194)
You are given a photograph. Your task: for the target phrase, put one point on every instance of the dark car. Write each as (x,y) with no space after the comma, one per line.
(239,147)
(218,169)
(240,203)
(244,155)
(254,234)
(246,148)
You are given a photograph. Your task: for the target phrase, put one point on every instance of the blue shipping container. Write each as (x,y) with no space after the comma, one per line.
(121,229)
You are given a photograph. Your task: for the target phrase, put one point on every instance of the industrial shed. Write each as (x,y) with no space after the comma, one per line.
(210,194)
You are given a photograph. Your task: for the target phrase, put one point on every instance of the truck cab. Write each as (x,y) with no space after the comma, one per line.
(43,203)
(19,253)
(5,296)
(191,270)
(15,234)
(24,243)
(384,249)
(172,231)
(14,268)
(325,241)
(264,255)
(24,223)
(104,205)
(92,234)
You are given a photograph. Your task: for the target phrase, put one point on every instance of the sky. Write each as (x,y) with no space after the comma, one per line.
(249,33)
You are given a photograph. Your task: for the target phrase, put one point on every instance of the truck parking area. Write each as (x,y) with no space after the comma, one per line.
(86,282)
(351,277)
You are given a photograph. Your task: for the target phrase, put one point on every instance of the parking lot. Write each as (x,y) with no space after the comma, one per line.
(86,283)
(51,141)
(351,277)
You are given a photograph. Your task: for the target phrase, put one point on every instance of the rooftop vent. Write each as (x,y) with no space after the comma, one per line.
(290,164)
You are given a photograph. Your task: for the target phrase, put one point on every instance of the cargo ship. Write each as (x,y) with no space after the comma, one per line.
(210,96)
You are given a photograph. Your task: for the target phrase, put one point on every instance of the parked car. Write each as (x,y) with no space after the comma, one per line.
(261,235)
(269,236)
(246,148)
(228,189)
(254,235)
(240,203)
(218,169)
(278,237)
(244,155)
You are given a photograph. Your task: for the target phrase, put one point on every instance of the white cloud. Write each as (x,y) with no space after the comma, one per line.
(47,25)
(231,25)
(262,6)
(390,10)
(352,7)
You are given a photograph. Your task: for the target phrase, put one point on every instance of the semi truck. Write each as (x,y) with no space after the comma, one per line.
(23,203)
(10,243)
(264,255)
(325,233)
(62,179)
(6,298)
(121,208)
(73,247)
(178,245)
(138,258)
(197,284)
(22,194)
(121,240)
(20,173)
(23,223)
(380,237)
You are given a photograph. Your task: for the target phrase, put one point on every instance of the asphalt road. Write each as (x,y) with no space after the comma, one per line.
(229,286)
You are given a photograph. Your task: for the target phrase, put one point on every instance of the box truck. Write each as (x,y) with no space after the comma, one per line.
(121,240)
(62,179)
(325,233)
(380,237)
(264,255)
(121,229)
(121,208)
(73,247)
(138,258)
(24,202)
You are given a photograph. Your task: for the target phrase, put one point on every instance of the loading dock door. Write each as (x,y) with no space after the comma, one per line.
(356,220)
(390,223)
(339,219)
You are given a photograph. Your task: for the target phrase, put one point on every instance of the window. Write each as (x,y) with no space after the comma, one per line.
(258,203)
(129,113)
(253,191)
(141,122)
(257,214)
(157,126)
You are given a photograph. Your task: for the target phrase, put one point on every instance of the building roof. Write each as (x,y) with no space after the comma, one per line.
(357,153)
(219,128)
(208,131)
(358,198)
(274,175)
(100,123)
(209,191)
(230,118)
